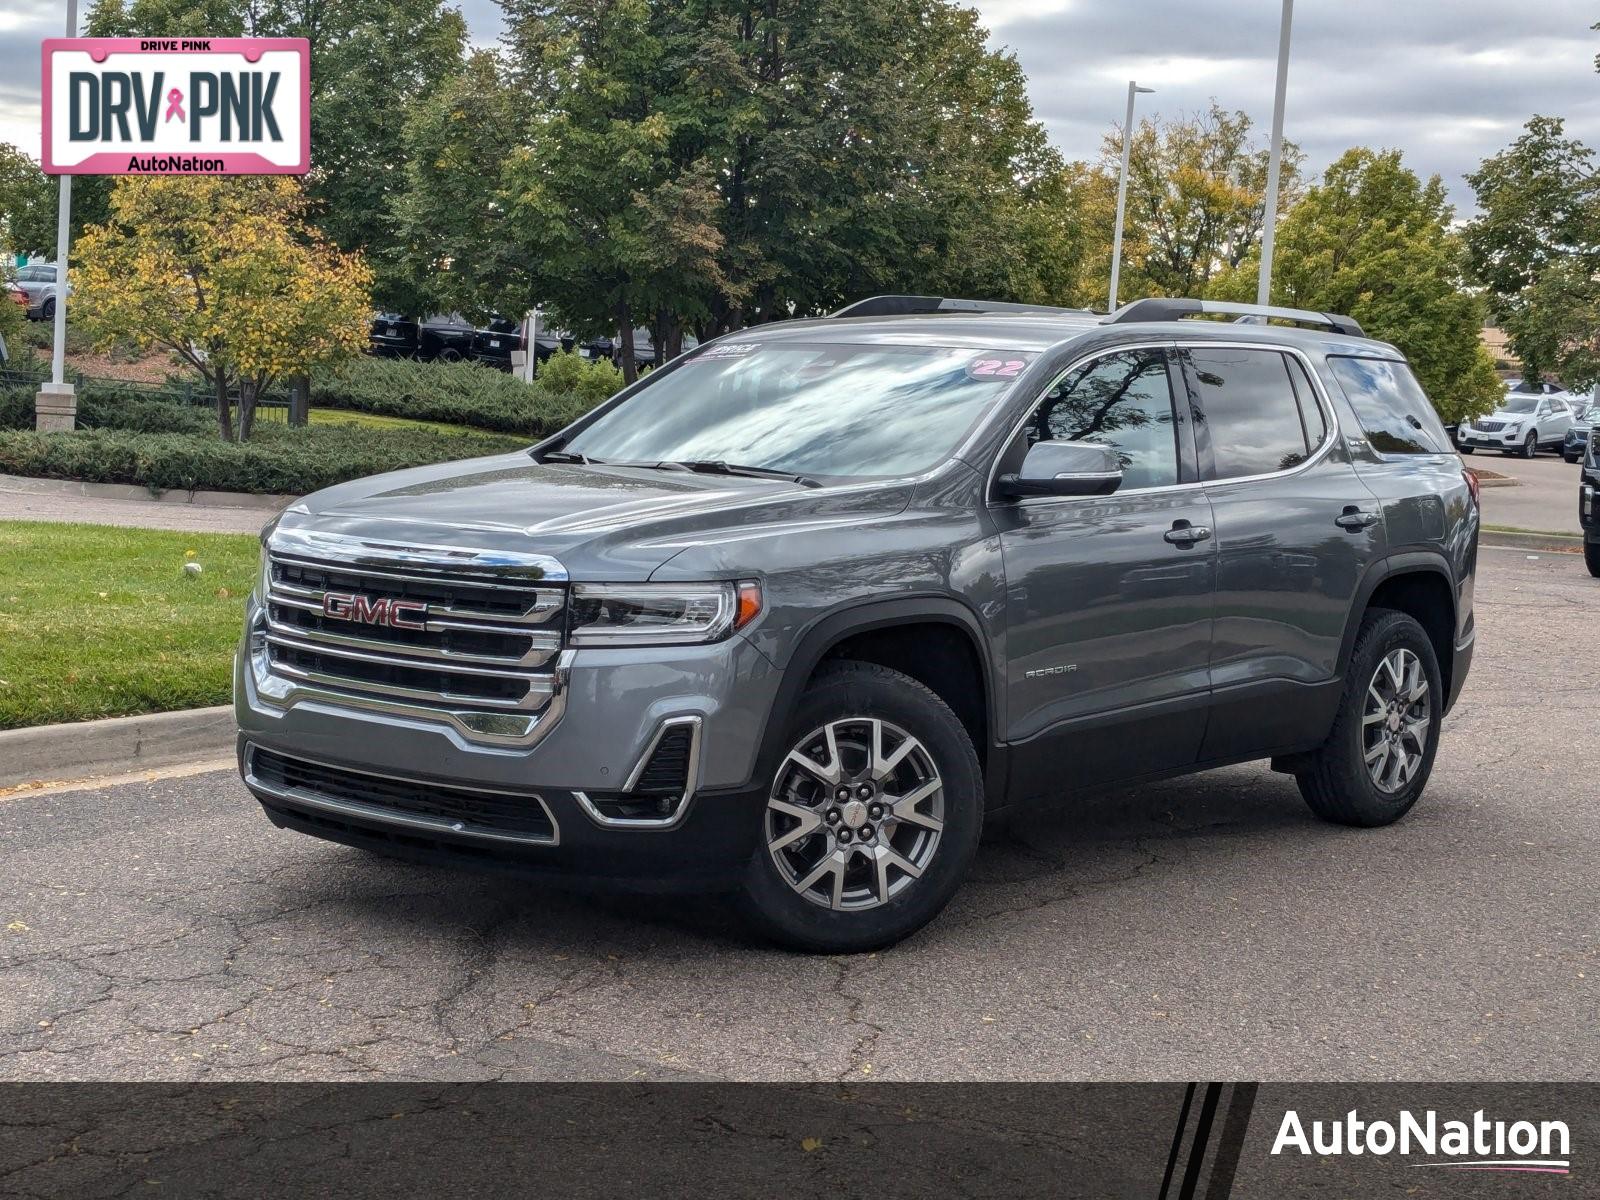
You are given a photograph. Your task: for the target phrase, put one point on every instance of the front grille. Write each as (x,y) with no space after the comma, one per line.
(468,642)
(1488,426)
(456,810)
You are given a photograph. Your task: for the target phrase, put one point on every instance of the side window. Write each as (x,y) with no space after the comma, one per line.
(1251,412)
(1311,414)
(1395,413)
(1123,400)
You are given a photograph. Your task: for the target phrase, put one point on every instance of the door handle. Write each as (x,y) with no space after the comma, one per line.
(1355,519)
(1184,534)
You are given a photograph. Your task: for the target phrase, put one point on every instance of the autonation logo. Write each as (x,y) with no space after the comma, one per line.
(1480,1144)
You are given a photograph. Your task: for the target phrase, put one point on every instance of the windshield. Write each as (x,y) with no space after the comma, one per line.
(1519,403)
(807,408)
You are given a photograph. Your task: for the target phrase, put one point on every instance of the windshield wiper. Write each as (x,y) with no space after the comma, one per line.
(568,456)
(717,466)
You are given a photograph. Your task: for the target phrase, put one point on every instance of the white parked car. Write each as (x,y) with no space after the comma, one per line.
(1532,417)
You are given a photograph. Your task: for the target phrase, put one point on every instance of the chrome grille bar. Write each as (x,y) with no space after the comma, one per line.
(479,650)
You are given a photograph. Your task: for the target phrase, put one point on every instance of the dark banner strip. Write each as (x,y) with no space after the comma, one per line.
(1094,1141)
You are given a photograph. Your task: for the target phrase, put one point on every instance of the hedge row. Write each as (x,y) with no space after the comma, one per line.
(276,460)
(459,393)
(109,407)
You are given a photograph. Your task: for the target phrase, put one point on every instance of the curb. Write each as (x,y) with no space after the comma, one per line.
(1571,543)
(134,491)
(83,748)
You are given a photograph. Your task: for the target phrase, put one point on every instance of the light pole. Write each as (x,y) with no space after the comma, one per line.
(56,406)
(1122,192)
(1269,217)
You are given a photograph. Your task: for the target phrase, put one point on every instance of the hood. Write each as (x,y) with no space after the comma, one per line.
(601,522)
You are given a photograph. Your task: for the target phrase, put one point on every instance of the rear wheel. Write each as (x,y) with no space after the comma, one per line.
(1378,757)
(872,817)
(449,354)
(1591,557)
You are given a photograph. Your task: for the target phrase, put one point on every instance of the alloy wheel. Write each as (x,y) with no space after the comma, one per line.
(1395,720)
(855,814)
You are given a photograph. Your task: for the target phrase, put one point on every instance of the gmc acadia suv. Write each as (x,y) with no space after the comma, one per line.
(796,614)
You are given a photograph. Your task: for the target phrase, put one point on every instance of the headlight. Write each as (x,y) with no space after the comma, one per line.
(658,614)
(1512,427)
(263,575)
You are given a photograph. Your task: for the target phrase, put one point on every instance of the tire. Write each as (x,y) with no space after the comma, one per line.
(1336,780)
(1530,444)
(449,354)
(807,833)
(1466,449)
(48,312)
(1591,557)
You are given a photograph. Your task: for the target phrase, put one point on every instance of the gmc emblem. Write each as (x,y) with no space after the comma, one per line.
(368,610)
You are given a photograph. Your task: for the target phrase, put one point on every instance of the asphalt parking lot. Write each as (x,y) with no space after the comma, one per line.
(1545,498)
(1203,928)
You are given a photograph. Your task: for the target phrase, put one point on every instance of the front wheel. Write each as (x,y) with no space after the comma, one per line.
(1568,458)
(1377,760)
(872,818)
(48,312)
(1466,449)
(1591,557)
(1530,444)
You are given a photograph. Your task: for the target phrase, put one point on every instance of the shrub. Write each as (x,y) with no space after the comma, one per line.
(566,373)
(458,393)
(280,459)
(112,406)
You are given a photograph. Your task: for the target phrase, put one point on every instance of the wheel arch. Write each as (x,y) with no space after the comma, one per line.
(880,631)
(1412,582)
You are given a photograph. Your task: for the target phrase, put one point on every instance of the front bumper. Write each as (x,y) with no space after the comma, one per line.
(1494,441)
(615,705)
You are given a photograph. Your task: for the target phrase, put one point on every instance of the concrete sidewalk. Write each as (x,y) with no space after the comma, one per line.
(24,499)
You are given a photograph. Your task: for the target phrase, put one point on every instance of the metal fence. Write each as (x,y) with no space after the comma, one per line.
(272,407)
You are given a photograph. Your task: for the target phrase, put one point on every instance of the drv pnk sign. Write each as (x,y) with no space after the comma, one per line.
(177,106)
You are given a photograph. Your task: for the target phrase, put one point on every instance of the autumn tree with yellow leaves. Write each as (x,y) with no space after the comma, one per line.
(227,274)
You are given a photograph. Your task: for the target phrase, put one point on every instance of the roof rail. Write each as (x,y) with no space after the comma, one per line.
(1161,308)
(896,306)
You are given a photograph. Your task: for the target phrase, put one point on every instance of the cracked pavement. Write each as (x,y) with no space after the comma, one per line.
(1201,928)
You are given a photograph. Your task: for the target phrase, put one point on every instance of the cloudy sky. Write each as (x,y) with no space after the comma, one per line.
(1446,81)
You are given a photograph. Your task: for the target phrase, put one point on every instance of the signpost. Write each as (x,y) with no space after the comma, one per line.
(163,106)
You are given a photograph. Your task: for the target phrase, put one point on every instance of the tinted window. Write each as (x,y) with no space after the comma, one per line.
(1311,414)
(1123,401)
(1250,411)
(1394,412)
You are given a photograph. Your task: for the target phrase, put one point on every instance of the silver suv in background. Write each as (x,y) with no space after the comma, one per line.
(40,283)
(800,612)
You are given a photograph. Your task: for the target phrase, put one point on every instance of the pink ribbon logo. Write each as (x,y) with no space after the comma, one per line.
(175,105)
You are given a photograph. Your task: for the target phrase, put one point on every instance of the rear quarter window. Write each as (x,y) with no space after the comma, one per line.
(1395,413)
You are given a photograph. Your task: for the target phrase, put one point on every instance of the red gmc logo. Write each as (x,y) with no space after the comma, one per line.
(381,610)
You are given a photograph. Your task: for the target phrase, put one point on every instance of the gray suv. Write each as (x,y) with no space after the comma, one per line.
(796,615)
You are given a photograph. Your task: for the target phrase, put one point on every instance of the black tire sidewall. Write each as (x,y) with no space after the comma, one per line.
(1364,804)
(866,690)
(1591,557)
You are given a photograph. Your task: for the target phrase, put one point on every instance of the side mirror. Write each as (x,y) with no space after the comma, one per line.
(1065,469)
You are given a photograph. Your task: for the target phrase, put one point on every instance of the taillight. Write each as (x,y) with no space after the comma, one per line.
(1472,485)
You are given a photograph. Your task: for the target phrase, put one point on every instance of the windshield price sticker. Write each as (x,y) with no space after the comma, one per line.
(996,364)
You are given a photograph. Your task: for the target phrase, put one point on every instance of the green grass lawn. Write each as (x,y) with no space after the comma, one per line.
(97,621)
(347,416)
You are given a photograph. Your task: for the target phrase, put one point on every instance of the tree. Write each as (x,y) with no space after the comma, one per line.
(27,204)
(372,62)
(1196,202)
(1535,247)
(227,275)
(1373,241)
